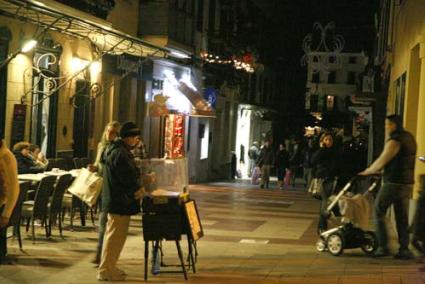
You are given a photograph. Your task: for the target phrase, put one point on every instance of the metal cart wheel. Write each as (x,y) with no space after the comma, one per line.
(370,243)
(321,244)
(335,244)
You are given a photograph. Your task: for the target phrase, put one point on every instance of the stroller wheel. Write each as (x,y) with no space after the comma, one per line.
(321,245)
(335,244)
(369,242)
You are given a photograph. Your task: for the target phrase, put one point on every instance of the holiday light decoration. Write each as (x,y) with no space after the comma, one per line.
(238,63)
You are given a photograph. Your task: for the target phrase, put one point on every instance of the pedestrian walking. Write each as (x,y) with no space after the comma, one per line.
(294,161)
(398,162)
(121,199)
(307,165)
(281,163)
(325,162)
(265,161)
(9,192)
(110,134)
(253,153)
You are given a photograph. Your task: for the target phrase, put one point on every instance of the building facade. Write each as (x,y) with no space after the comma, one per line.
(56,94)
(401,55)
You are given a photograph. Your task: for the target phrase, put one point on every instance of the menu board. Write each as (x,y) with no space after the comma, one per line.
(174,136)
(194,220)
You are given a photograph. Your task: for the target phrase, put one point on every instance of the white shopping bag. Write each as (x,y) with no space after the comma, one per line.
(87,186)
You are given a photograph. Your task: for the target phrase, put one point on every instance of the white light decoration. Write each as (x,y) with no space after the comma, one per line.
(28,46)
(78,64)
(329,45)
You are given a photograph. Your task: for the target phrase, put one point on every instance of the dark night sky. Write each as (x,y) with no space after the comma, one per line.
(290,21)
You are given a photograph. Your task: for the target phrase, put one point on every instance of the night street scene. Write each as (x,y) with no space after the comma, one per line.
(212,141)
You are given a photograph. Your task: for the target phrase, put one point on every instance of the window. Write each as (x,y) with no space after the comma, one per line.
(351,78)
(332,77)
(400,89)
(331,59)
(200,16)
(352,60)
(315,77)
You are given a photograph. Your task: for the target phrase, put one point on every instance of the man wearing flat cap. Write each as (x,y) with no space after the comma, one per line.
(120,199)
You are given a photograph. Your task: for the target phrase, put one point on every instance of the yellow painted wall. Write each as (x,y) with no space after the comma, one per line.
(407,51)
(125,16)
(19,80)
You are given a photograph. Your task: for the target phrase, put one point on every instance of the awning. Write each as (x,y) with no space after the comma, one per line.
(51,15)
(200,106)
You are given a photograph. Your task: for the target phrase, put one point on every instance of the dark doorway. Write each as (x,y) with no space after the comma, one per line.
(81,118)
(4,49)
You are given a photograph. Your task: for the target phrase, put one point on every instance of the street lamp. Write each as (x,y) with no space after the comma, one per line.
(26,47)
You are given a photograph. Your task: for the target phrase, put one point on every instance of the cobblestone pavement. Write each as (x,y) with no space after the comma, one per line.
(251,236)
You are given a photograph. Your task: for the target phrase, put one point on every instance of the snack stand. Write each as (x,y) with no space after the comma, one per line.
(168,211)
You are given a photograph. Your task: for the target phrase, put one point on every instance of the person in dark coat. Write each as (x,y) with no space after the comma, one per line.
(307,166)
(294,161)
(120,199)
(325,162)
(26,164)
(265,162)
(398,162)
(281,163)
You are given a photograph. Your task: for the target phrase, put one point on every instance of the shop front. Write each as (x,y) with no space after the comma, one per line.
(251,126)
(177,114)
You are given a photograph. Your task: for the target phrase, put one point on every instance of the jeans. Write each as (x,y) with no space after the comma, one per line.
(328,186)
(103,218)
(397,195)
(307,174)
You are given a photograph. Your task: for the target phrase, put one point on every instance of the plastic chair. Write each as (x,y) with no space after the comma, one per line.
(61,163)
(77,163)
(55,204)
(51,164)
(84,162)
(15,218)
(38,209)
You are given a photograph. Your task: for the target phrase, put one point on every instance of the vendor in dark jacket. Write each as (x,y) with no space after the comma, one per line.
(325,162)
(26,164)
(121,198)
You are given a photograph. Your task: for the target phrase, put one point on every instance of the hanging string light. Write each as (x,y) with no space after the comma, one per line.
(238,63)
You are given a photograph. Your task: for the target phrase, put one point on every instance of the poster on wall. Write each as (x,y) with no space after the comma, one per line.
(174,136)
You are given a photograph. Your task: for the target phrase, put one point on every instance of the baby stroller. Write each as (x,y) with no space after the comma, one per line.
(349,235)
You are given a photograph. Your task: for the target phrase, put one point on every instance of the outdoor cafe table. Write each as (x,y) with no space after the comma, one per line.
(40,176)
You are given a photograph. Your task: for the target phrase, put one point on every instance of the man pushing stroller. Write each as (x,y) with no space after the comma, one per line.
(398,162)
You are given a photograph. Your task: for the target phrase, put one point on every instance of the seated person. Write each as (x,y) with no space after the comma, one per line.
(26,164)
(37,156)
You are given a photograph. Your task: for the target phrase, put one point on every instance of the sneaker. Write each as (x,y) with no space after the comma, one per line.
(404,254)
(381,252)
